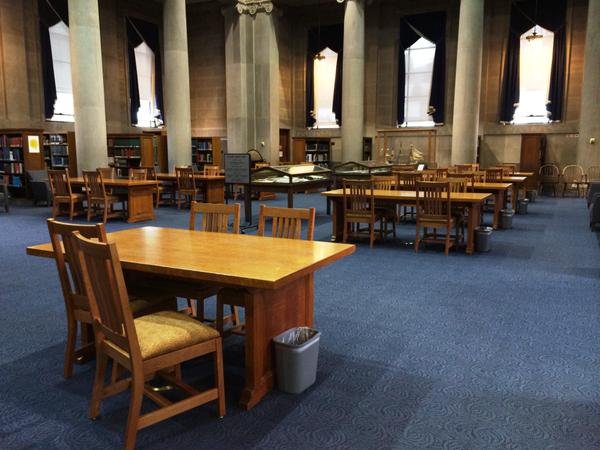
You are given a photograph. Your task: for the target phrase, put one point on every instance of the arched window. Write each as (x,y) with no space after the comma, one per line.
(324,75)
(535,66)
(417,89)
(147,114)
(61,63)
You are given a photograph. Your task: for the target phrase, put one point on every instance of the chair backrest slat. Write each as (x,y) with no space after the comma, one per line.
(94,184)
(572,173)
(407,181)
(185,178)
(60,184)
(286,223)
(211,170)
(494,175)
(549,171)
(359,198)
(215,217)
(383,182)
(138,174)
(433,200)
(107,172)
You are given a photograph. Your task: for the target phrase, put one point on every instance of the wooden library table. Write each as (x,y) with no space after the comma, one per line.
(500,197)
(470,200)
(518,183)
(276,276)
(140,205)
(213,186)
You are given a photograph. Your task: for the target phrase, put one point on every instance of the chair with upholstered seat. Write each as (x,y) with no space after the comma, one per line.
(286,223)
(186,185)
(76,303)
(549,175)
(154,344)
(99,199)
(62,193)
(573,178)
(434,211)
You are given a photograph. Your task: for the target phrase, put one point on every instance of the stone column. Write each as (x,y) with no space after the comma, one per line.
(177,84)
(252,78)
(88,84)
(588,154)
(353,81)
(467,88)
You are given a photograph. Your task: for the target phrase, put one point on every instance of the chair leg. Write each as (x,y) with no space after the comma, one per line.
(70,350)
(220,308)
(89,211)
(235,316)
(105,216)
(135,407)
(219,378)
(417,240)
(71,209)
(371,234)
(447,249)
(54,209)
(101,362)
(345,232)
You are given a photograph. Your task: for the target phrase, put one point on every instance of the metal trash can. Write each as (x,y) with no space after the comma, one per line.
(532,195)
(506,218)
(523,206)
(483,236)
(296,357)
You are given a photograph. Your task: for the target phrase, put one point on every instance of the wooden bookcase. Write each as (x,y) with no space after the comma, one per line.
(206,150)
(130,151)
(60,151)
(18,155)
(312,150)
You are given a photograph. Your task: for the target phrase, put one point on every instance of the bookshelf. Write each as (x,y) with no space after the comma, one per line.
(18,155)
(129,151)
(206,150)
(313,150)
(59,151)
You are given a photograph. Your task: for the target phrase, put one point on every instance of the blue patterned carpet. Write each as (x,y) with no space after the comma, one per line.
(497,350)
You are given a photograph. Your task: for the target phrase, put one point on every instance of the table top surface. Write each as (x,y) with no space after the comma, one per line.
(524,174)
(514,179)
(230,259)
(116,182)
(494,186)
(472,197)
(199,176)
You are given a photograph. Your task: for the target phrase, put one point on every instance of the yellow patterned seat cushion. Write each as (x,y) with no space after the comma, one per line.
(168,331)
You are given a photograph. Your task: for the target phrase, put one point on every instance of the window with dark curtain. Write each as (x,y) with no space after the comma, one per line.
(138,32)
(51,12)
(319,38)
(551,15)
(431,26)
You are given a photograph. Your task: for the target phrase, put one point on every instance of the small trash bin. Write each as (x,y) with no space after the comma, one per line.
(532,196)
(523,206)
(506,218)
(296,357)
(483,237)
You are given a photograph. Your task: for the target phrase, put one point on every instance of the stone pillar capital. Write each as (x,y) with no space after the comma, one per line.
(253,7)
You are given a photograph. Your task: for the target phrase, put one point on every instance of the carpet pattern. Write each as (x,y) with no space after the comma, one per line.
(496,350)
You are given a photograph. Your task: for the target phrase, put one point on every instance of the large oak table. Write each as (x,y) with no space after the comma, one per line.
(213,185)
(275,276)
(470,200)
(500,197)
(518,183)
(140,206)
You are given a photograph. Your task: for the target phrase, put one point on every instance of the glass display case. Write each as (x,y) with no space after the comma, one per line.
(362,169)
(290,175)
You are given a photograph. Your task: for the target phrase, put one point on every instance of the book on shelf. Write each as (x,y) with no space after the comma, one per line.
(12,154)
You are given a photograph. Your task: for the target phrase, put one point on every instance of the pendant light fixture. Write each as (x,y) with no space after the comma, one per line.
(535,35)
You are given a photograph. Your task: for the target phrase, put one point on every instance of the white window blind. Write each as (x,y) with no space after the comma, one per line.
(61,63)
(417,89)
(324,82)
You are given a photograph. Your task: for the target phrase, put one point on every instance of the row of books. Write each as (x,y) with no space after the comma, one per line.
(60,161)
(12,154)
(128,152)
(124,142)
(10,167)
(57,150)
(55,139)
(201,145)
(317,147)
(11,141)
(317,157)
(204,157)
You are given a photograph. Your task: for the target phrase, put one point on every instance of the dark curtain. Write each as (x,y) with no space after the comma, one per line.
(431,26)
(51,12)
(551,15)
(331,36)
(139,31)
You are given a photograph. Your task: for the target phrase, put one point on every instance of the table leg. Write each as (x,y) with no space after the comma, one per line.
(290,196)
(515,197)
(269,313)
(337,220)
(474,218)
(498,205)
(140,204)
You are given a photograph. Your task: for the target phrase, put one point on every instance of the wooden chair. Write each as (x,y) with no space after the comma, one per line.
(99,199)
(592,174)
(214,218)
(161,190)
(211,171)
(434,211)
(76,302)
(460,168)
(186,185)
(62,193)
(429,175)
(441,173)
(407,181)
(359,208)
(107,172)
(479,176)
(387,213)
(494,175)
(4,191)
(549,175)
(138,174)
(155,343)
(573,177)
(286,223)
